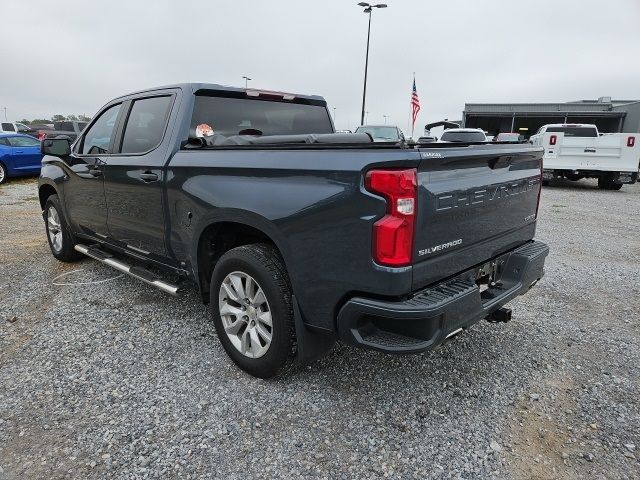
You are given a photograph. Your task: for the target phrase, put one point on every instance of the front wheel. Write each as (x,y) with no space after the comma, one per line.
(252,311)
(59,236)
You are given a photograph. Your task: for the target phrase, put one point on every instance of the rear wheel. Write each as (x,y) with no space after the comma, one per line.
(606,182)
(250,303)
(59,236)
(3,173)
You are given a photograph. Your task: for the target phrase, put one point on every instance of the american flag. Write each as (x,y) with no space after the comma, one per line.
(415,103)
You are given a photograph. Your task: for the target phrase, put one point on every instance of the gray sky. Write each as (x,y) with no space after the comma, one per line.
(72,56)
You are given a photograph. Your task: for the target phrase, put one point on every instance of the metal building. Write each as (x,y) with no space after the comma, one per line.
(609,115)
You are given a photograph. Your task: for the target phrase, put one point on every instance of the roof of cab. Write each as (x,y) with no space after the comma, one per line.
(197,86)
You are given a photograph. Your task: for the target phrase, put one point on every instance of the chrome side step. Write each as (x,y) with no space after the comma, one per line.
(136,272)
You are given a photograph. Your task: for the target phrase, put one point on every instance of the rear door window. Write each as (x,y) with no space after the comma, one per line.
(146,124)
(97,139)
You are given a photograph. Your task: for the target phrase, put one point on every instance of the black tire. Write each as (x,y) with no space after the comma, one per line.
(65,252)
(263,263)
(4,175)
(573,177)
(545,183)
(607,182)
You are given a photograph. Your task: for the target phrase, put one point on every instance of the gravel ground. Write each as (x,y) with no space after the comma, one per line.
(118,380)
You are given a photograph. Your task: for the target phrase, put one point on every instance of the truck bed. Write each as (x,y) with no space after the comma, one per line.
(481,199)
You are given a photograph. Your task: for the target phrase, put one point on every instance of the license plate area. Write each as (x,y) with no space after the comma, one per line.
(486,278)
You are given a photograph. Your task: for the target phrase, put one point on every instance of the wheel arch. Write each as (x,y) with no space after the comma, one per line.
(219,236)
(44,192)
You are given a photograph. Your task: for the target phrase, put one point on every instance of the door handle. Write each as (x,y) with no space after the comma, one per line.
(95,172)
(19,151)
(148,177)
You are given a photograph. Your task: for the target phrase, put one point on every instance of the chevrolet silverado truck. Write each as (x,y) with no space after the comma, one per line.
(294,235)
(576,151)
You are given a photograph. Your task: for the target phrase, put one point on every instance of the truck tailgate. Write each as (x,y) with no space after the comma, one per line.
(608,152)
(474,202)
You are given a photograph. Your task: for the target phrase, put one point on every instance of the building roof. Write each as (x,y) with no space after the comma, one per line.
(601,106)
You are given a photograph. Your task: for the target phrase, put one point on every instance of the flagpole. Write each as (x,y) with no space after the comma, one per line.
(410,109)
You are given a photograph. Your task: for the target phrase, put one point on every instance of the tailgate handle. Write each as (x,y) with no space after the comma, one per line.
(500,162)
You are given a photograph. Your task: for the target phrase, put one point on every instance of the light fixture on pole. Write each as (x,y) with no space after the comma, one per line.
(367,9)
(246,81)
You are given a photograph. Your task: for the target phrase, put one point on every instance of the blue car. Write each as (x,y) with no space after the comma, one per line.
(19,155)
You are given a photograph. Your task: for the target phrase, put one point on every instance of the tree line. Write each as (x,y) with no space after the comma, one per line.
(56,118)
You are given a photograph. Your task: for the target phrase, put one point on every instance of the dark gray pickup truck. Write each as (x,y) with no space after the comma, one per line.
(296,236)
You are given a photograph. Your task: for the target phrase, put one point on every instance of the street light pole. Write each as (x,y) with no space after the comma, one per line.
(334,116)
(367,9)
(5,113)
(246,81)
(385,118)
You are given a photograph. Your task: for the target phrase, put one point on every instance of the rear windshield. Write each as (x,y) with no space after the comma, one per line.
(574,131)
(463,137)
(63,126)
(506,137)
(244,116)
(380,133)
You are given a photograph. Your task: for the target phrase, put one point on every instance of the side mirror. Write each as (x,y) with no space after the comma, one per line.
(58,147)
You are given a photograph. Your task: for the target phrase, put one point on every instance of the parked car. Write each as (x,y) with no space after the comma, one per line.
(509,137)
(382,133)
(576,151)
(14,127)
(68,128)
(463,135)
(298,237)
(19,155)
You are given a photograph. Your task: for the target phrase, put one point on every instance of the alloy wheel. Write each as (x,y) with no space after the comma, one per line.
(54,229)
(245,314)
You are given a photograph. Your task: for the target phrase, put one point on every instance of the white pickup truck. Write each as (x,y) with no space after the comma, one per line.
(575,151)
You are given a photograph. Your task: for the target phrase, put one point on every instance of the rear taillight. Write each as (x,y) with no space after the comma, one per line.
(552,140)
(393,233)
(41,136)
(631,141)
